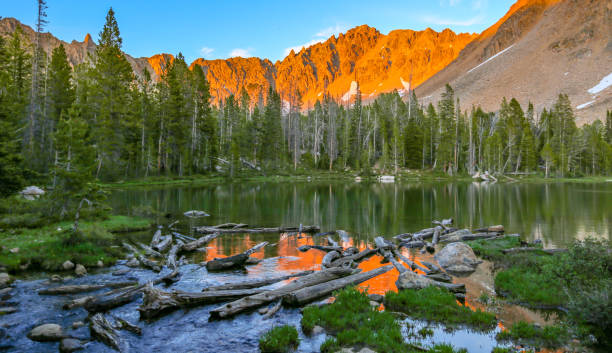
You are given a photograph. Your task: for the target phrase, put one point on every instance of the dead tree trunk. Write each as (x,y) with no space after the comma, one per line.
(304,248)
(157,302)
(329,257)
(308,294)
(157,237)
(257,300)
(80,288)
(234,261)
(353,258)
(102,329)
(203,241)
(256,283)
(164,243)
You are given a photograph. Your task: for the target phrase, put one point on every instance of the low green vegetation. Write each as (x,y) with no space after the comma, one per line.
(528,334)
(437,305)
(48,246)
(355,322)
(279,339)
(492,249)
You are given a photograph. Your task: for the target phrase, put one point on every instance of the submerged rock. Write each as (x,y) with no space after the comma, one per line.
(68,345)
(411,280)
(77,324)
(457,257)
(46,332)
(80,270)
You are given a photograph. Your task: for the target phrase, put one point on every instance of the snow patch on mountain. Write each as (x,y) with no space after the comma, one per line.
(584,105)
(489,59)
(603,84)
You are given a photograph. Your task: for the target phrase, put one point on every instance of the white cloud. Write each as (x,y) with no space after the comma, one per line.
(245,53)
(479,4)
(319,37)
(452,22)
(206,51)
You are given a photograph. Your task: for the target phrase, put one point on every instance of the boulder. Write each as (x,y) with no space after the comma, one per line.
(77,324)
(68,345)
(32,192)
(455,236)
(5,310)
(80,270)
(68,265)
(100,263)
(5,280)
(411,280)
(376,297)
(14,250)
(457,257)
(317,330)
(195,214)
(56,278)
(46,332)
(133,263)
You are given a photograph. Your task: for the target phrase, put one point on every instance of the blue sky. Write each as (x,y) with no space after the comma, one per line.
(268,29)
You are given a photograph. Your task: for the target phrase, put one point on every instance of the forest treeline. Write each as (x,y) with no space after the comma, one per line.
(99,120)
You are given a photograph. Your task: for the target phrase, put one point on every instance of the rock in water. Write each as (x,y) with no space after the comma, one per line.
(68,345)
(5,280)
(46,332)
(68,265)
(410,280)
(100,263)
(457,257)
(196,214)
(80,270)
(455,236)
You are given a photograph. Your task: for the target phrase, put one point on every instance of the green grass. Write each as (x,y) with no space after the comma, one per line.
(501,350)
(529,286)
(279,339)
(355,323)
(492,249)
(527,334)
(438,305)
(49,246)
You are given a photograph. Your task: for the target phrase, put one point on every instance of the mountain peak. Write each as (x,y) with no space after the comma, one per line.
(87,39)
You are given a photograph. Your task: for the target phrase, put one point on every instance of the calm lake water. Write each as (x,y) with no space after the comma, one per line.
(557,213)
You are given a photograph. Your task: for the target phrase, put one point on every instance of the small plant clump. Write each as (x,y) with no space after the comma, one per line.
(438,305)
(528,334)
(279,339)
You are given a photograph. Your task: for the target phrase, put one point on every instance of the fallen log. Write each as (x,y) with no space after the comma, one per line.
(308,294)
(324,234)
(353,258)
(332,242)
(329,257)
(209,229)
(183,236)
(102,329)
(80,288)
(256,283)
(273,310)
(444,223)
(78,302)
(143,260)
(413,265)
(492,229)
(126,325)
(149,251)
(538,250)
(478,236)
(412,280)
(157,302)
(432,267)
(440,277)
(164,243)
(239,260)
(304,248)
(412,244)
(157,237)
(258,300)
(171,259)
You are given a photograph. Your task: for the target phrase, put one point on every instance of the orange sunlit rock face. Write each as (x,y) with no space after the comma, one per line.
(380,63)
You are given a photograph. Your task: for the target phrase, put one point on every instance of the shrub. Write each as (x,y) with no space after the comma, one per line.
(524,333)
(279,339)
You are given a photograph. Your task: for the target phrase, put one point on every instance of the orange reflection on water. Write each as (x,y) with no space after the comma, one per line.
(382,283)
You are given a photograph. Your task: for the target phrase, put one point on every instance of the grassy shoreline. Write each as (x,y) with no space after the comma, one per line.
(305,176)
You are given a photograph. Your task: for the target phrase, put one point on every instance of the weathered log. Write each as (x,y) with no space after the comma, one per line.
(412,280)
(382,244)
(537,250)
(164,243)
(102,329)
(239,260)
(353,258)
(304,248)
(171,258)
(80,288)
(122,296)
(444,223)
(149,251)
(123,324)
(186,238)
(436,236)
(157,302)
(492,229)
(385,251)
(403,237)
(332,242)
(432,267)
(209,229)
(143,260)
(273,310)
(329,257)
(256,283)
(413,265)
(228,225)
(324,234)
(308,294)
(157,237)
(78,302)
(478,236)
(173,224)
(412,244)
(257,300)
(350,251)
(440,276)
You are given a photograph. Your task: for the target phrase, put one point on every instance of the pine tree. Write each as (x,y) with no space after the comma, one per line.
(413,144)
(528,150)
(446,113)
(60,92)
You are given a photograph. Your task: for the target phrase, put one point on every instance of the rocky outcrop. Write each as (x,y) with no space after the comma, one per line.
(80,270)
(457,257)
